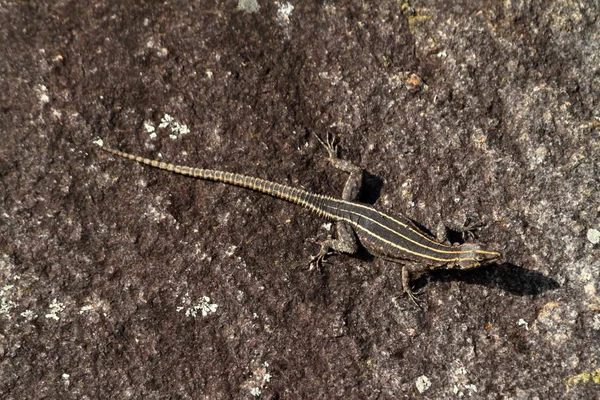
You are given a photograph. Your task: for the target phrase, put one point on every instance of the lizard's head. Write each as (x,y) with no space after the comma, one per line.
(476,255)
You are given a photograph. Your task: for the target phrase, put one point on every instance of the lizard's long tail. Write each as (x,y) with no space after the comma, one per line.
(311,201)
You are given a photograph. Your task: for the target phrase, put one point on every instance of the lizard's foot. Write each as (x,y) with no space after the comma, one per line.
(406,276)
(331,144)
(355,179)
(466,233)
(413,296)
(321,257)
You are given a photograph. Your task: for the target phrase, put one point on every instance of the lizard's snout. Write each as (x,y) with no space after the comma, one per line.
(476,255)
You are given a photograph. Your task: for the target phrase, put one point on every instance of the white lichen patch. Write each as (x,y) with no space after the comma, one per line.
(422,383)
(149,127)
(204,306)
(85,309)
(6,300)
(94,306)
(42,92)
(250,6)
(596,322)
(29,315)
(230,250)
(459,378)
(175,126)
(522,322)
(593,236)
(98,142)
(284,12)
(258,380)
(180,128)
(55,308)
(10,289)
(154,214)
(162,52)
(165,121)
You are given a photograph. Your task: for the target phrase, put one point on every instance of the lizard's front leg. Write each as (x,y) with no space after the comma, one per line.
(346,241)
(408,270)
(354,182)
(411,271)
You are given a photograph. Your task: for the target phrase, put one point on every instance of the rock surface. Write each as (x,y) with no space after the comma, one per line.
(121,281)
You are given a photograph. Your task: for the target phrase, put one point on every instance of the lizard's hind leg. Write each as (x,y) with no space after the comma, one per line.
(345,242)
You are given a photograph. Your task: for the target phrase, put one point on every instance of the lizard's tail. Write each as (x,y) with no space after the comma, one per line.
(301,197)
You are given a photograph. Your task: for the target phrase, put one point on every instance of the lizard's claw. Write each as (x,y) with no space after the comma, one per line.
(413,296)
(317,261)
(330,145)
(321,257)
(467,233)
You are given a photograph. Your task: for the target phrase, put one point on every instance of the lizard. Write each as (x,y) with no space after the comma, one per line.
(392,238)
